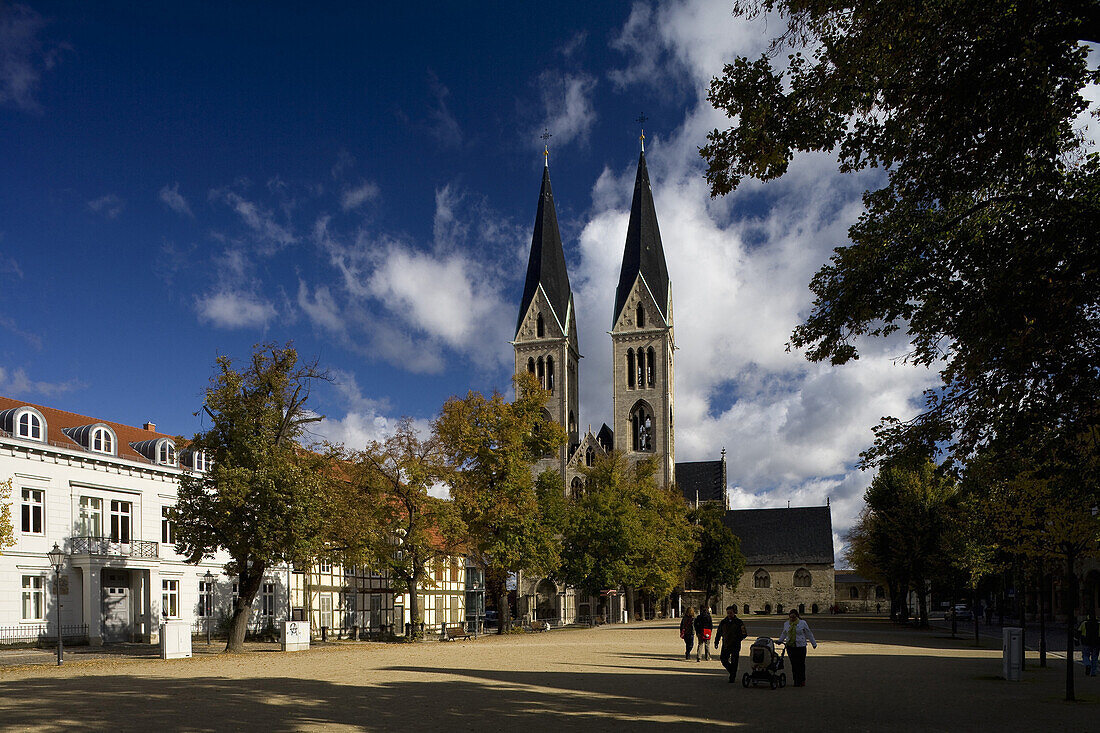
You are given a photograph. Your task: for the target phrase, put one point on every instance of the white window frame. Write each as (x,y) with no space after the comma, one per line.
(166,453)
(199,461)
(33,598)
(32,506)
(267,600)
(105,437)
(170,598)
(167,527)
(206,599)
(35,423)
(117,523)
(90,516)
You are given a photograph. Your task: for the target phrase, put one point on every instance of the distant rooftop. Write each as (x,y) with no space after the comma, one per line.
(784,536)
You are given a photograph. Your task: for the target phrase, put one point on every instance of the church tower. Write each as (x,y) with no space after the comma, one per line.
(642,340)
(546,332)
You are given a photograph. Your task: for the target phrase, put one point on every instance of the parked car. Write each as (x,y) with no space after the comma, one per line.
(961,611)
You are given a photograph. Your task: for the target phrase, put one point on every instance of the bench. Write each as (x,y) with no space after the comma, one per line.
(540,626)
(455,631)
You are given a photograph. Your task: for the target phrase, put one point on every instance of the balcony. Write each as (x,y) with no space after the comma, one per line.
(138,549)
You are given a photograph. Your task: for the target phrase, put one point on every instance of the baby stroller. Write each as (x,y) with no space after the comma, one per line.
(767,666)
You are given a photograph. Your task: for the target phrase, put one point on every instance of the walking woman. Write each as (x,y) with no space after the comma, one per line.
(687,630)
(796,632)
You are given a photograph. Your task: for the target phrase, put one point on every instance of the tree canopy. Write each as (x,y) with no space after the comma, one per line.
(718,560)
(490,445)
(266,498)
(981,246)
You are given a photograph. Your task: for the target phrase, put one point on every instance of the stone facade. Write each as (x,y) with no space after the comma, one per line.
(780,592)
(856,594)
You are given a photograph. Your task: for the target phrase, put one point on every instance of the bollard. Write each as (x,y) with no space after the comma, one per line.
(1013,653)
(324,633)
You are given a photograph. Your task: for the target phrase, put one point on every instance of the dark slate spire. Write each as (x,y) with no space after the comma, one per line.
(643,253)
(547,263)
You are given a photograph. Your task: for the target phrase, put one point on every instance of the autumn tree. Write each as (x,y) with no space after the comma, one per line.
(981,246)
(7,528)
(393,479)
(265,499)
(490,445)
(718,561)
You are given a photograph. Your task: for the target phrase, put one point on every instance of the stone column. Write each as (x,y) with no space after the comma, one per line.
(151,598)
(93,604)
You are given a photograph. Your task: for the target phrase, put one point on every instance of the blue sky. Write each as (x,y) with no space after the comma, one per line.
(183,180)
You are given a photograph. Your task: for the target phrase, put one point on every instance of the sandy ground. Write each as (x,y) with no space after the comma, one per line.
(865,675)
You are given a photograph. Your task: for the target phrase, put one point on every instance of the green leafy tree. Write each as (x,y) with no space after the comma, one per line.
(718,562)
(7,528)
(624,530)
(490,444)
(981,246)
(265,499)
(393,479)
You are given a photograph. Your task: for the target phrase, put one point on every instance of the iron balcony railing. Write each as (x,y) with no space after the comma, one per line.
(142,549)
(42,634)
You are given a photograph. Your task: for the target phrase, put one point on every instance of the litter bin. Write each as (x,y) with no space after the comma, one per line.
(1013,649)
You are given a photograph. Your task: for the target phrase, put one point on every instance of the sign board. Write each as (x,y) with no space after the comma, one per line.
(294,636)
(175,640)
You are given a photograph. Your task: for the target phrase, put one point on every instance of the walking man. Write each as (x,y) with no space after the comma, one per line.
(704,626)
(1089,633)
(731,632)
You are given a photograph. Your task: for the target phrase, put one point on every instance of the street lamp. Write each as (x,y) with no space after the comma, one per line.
(57,556)
(209,601)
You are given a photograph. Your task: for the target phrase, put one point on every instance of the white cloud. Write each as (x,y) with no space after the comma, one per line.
(442,124)
(174,200)
(228,308)
(18,384)
(353,198)
(23,56)
(259,220)
(321,309)
(110,206)
(567,105)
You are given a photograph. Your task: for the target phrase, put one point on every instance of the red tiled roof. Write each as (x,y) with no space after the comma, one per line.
(56,420)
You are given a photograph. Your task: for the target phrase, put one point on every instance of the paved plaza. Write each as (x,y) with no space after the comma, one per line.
(865,675)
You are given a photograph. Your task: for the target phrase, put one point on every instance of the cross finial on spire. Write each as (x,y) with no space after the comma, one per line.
(641,120)
(546,135)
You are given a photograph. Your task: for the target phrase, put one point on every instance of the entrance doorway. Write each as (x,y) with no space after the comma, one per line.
(117,623)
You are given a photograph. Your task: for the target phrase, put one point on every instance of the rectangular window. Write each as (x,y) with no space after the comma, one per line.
(456,571)
(326,611)
(121,513)
(324,567)
(206,599)
(90,523)
(34,598)
(267,598)
(34,511)
(167,527)
(170,598)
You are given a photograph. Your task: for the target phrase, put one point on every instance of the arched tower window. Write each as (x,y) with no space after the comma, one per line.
(641,369)
(630,368)
(589,457)
(572,422)
(531,366)
(802,578)
(550,374)
(541,367)
(641,427)
(639,316)
(761,579)
(650,368)
(540,327)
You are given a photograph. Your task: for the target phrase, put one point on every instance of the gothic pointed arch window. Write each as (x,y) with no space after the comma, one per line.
(761,579)
(531,365)
(642,427)
(639,316)
(650,368)
(630,368)
(641,369)
(576,487)
(802,578)
(550,374)
(589,457)
(572,422)
(541,368)
(540,327)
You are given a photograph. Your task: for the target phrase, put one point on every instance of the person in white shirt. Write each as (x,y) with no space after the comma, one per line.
(796,633)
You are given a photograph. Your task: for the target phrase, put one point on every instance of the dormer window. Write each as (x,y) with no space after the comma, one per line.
(31,426)
(102,441)
(166,453)
(199,461)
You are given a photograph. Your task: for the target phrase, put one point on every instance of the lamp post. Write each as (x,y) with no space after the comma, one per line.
(208,602)
(57,556)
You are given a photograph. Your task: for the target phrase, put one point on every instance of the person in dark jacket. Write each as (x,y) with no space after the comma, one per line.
(704,625)
(687,631)
(731,632)
(1089,633)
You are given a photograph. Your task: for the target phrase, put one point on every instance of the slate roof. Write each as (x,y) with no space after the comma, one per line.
(849,576)
(643,252)
(606,438)
(547,263)
(702,481)
(799,535)
(57,420)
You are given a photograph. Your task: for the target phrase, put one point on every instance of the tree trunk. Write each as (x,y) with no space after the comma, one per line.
(248,587)
(974,612)
(414,609)
(629,603)
(922,604)
(954,616)
(1042,621)
(1070,596)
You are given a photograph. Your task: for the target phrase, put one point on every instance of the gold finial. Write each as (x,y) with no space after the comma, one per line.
(546,147)
(641,120)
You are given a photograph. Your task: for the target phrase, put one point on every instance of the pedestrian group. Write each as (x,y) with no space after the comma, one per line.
(696,630)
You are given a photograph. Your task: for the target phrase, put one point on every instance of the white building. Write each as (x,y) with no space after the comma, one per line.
(101,491)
